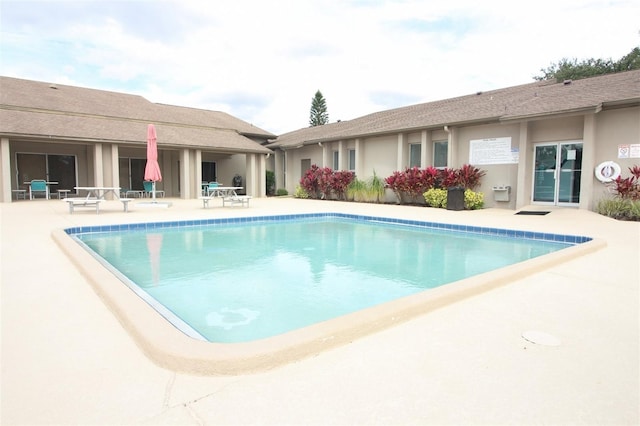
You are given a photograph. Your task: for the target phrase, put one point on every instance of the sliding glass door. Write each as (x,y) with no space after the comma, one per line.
(50,167)
(131,173)
(557,173)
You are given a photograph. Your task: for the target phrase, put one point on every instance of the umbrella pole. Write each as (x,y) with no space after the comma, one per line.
(153,191)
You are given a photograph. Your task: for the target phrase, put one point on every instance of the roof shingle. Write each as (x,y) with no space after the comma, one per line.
(529,100)
(37,109)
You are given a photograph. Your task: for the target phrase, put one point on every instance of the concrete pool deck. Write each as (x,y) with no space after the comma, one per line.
(67,360)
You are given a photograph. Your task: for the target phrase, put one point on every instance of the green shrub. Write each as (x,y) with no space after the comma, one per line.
(270,177)
(356,191)
(375,188)
(436,197)
(301,192)
(473,200)
(281,192)
(635,210)
(619,208)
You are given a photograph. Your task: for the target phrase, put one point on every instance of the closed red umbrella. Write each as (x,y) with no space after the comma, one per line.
(152,168)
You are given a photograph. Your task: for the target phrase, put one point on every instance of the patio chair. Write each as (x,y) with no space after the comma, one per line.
(148,189)
(38,186)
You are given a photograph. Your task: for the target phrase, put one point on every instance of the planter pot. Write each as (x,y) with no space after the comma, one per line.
(455,198)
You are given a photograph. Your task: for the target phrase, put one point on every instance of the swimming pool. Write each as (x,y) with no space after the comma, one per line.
(356,258)
(238,282)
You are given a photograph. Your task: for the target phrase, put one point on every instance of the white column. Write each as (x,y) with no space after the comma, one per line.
(452,148)
(588,162)
(250,172)
(401,164)
(115,166)
(523,191)
(341,156)
(360,171)
(198,170)
(5,170)
(185,175)
(98,165)
(278,168)
(426,149)
(261,189)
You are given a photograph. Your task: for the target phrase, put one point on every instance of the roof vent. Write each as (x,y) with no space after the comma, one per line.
(479,93)
(567,82)
(53,86)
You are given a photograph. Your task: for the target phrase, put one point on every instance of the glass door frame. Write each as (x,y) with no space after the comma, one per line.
(558,170)
(44,164)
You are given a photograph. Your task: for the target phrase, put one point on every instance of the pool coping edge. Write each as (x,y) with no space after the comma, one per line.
(170,348)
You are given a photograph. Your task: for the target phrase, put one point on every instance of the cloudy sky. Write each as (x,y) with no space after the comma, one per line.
(263,60)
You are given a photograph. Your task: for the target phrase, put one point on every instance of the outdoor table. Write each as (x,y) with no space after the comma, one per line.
(99,192)
(224,191)
(220,192)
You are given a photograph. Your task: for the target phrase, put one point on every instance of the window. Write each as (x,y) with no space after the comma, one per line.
(305,165)
(209,171)
(415,152)
(440,154)
(352,160)
(336,160)
(51,167)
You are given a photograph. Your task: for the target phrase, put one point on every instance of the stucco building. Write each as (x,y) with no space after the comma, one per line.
(84,137)
(539,143)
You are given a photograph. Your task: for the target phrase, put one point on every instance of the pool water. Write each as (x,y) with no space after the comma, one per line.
(243,281)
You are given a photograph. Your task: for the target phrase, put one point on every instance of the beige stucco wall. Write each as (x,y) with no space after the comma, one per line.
(80,151)
(385,154)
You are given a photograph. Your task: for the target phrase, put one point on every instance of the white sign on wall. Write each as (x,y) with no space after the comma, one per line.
(492,151)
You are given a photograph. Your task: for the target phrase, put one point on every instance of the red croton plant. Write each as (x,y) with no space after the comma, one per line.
(321,182)
(628,188)
(413,182)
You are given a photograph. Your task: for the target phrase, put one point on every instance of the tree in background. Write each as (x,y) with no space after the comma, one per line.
(318,115)
(571,69)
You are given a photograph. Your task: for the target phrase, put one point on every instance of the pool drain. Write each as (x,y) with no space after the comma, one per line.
(541,338)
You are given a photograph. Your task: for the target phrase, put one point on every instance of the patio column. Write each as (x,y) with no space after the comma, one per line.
(452,147)
(523,191)
(5,170)
(98,167)
(185,175)
(588,162)
(198,165)
(278,166)
(326,162)
(115,166)
(255,169)
(359,158)
(341,155)
(250,172)
(261,178)
(400,161)
(426,154)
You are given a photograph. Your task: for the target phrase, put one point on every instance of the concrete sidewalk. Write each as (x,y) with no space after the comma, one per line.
(67,360)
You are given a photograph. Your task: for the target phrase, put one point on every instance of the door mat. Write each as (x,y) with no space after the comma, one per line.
(533,212)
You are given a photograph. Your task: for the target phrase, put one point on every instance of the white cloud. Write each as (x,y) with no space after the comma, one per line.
(262,61)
